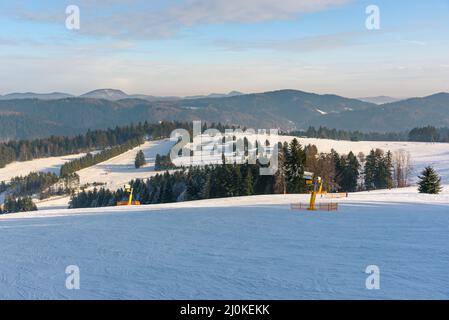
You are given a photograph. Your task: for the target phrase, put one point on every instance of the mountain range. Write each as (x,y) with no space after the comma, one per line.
(108,94)
(380,99)
(23,117)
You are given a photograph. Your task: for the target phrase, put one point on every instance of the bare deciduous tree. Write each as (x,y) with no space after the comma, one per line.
(402,168)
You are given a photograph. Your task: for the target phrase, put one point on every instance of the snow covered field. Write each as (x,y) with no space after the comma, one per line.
(241,248)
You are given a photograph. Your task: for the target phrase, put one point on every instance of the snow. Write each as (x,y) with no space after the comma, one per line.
(235,248)
(116,172)
(52,164)
(321,112)
(422,153)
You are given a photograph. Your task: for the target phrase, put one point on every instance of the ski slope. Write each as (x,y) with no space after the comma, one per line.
(235,248)
(116,172)
(52,164)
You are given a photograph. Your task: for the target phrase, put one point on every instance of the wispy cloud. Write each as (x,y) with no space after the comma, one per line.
(143,19)
(304,44)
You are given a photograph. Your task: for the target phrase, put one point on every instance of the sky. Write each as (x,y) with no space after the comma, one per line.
(192,47)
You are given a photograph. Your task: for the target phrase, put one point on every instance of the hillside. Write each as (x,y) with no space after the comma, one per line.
(16,126)
(396,116)
(77,115)
(285,109)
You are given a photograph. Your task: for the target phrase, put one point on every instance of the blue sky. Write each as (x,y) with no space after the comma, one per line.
(189,47)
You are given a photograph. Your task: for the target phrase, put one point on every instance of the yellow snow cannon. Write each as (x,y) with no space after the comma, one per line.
(129,190)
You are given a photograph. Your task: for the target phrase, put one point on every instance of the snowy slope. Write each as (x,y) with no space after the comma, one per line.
(52,164)
(116,172)
(241,248)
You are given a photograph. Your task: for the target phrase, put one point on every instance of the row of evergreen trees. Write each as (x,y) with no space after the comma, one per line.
(420,134)
(21,204)
(429,134)
(42,184)
(93,159)
(30,184)
(335,134)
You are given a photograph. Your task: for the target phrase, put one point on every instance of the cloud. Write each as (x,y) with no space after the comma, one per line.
(305,44)
(160,19)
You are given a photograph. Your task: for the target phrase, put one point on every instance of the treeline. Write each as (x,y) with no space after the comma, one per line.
(419,134)
(33,183)
(341,173)
(24,150)
(163,162)
(93,159)
(429,134)
(334,134)
(41,184)
(12,205)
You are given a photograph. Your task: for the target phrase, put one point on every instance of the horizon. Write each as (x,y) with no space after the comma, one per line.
(188,48)
(217,93)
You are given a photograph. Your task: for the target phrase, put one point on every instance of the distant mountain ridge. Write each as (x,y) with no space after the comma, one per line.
(284,109)
(109,94)
(32,95)
(380,99)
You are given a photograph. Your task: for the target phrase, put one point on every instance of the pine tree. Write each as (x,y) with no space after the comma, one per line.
(140,159)
(248,184)
(294,167)
(350,173)
(429,182)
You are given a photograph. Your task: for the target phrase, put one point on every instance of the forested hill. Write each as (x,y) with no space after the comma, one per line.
(284,109)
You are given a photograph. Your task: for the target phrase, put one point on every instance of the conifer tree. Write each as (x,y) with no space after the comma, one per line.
(429,182)
(249,184)
(140,159)
(294,167)
(350,173)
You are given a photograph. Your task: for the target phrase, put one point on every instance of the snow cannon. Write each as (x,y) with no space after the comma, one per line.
(316,185)
(129,190)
